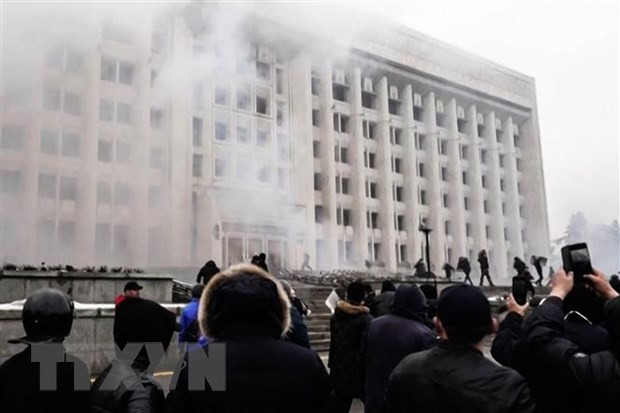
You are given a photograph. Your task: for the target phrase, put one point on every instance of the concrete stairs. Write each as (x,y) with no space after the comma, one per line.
(318,322)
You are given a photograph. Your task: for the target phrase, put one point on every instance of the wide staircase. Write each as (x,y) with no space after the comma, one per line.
(318,322)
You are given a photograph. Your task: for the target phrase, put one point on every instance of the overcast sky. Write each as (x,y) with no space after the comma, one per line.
(571,48)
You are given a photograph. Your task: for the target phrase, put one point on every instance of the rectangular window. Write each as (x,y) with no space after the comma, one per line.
(422,197)
(263,135)
(157,118)
(487,231)
(485,206)
(68,188)
(104,152)
(369,129)
(280,114)
(466,203)
(445,199)
(346,217)
(443,147)
(395,135)
(403,253)
(243,97)
(197,166)
(314,85)
(421,170)
(123,113)
(10,181)
(49,141)
(279,81)
(70,145)
(467,229)
(125,73)
(420,141)
(316,149)
(345,185)
(397,167)
(51,99)
(318,214)
(47,186)
(446,227)
(106,110)
(122,194)
(484,181)
(156,158)
(263,71)
(317,182)
(444,173)
(262,103)
(221,131)
(72,104)
(315,117)
(398,193)
(104,193)
(483,156)
(197,131)
(463,151)
(501,184)
(221,95)
(501,160)
(221,166)
(464,178)
(400,223)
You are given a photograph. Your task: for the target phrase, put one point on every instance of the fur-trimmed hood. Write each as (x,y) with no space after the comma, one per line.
(244,300)
(351,309)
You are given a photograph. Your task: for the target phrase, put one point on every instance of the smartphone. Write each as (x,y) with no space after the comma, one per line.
(519,290)
(576,258)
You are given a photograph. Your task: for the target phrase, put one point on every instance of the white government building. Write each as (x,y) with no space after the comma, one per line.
(272,144)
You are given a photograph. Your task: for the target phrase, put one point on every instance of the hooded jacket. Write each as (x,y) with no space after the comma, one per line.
(594,378)
(132,389)
(347,328)
(246,309)
(392,337)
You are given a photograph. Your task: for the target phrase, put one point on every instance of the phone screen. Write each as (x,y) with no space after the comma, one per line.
(580,259)
(519,290)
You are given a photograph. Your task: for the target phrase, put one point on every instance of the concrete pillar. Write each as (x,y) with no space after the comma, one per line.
(435,217)
(456,208)
(386,183)
(358,174)
(328,166)
(533,195)
(476,194)
(300,70)
(179,167)
(411,184)
(511,189)
(497,257)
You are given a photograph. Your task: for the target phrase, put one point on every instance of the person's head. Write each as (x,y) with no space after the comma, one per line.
(586,302)
(137,320)
(197,290)
(47,316)
(262,256)
(464,315)
(356,292)
(290,293)
(244,300)
(369,290)
(410,302)
(132,289)
(429,291)
(387,286)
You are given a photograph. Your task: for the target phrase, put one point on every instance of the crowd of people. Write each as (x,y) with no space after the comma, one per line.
(402,350)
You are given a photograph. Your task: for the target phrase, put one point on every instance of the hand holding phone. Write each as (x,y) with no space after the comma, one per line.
(519,290)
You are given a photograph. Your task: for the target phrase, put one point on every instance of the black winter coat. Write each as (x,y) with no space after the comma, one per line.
(347,327)
(456,378)
(390,339)
(382,304)
(594,378)
(20,387)
(263,374)
(136,392)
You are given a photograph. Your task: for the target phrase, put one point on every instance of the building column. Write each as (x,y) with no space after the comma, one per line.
(386,185)
(497,256)
(476,194)
(358,173)
(533,184)
(411,184)
(456,207)
(328,166)
(512,193)
(302,132)
(179,167)
(435,218)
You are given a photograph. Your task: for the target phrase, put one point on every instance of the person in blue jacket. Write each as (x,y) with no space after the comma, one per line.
(190,336)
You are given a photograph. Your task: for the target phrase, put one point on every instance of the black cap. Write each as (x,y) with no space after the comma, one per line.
(132,285)
(463,307)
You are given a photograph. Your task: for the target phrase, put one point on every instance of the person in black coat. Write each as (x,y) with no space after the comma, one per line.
(465,266)
(246,309)
(594,378)
(347,327)
(382,303)
(298,333)
(47,317)
(208,271)
(392,337)
(125,385)
(483,259)
(455,376)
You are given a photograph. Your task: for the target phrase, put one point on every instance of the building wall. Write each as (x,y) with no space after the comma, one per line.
(271,146)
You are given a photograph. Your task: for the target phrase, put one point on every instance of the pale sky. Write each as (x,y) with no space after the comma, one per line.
(571,48)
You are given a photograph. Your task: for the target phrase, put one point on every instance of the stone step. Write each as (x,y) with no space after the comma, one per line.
(318,328)
(314,336)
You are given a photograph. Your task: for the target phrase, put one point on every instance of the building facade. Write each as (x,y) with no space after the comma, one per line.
(173,144)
